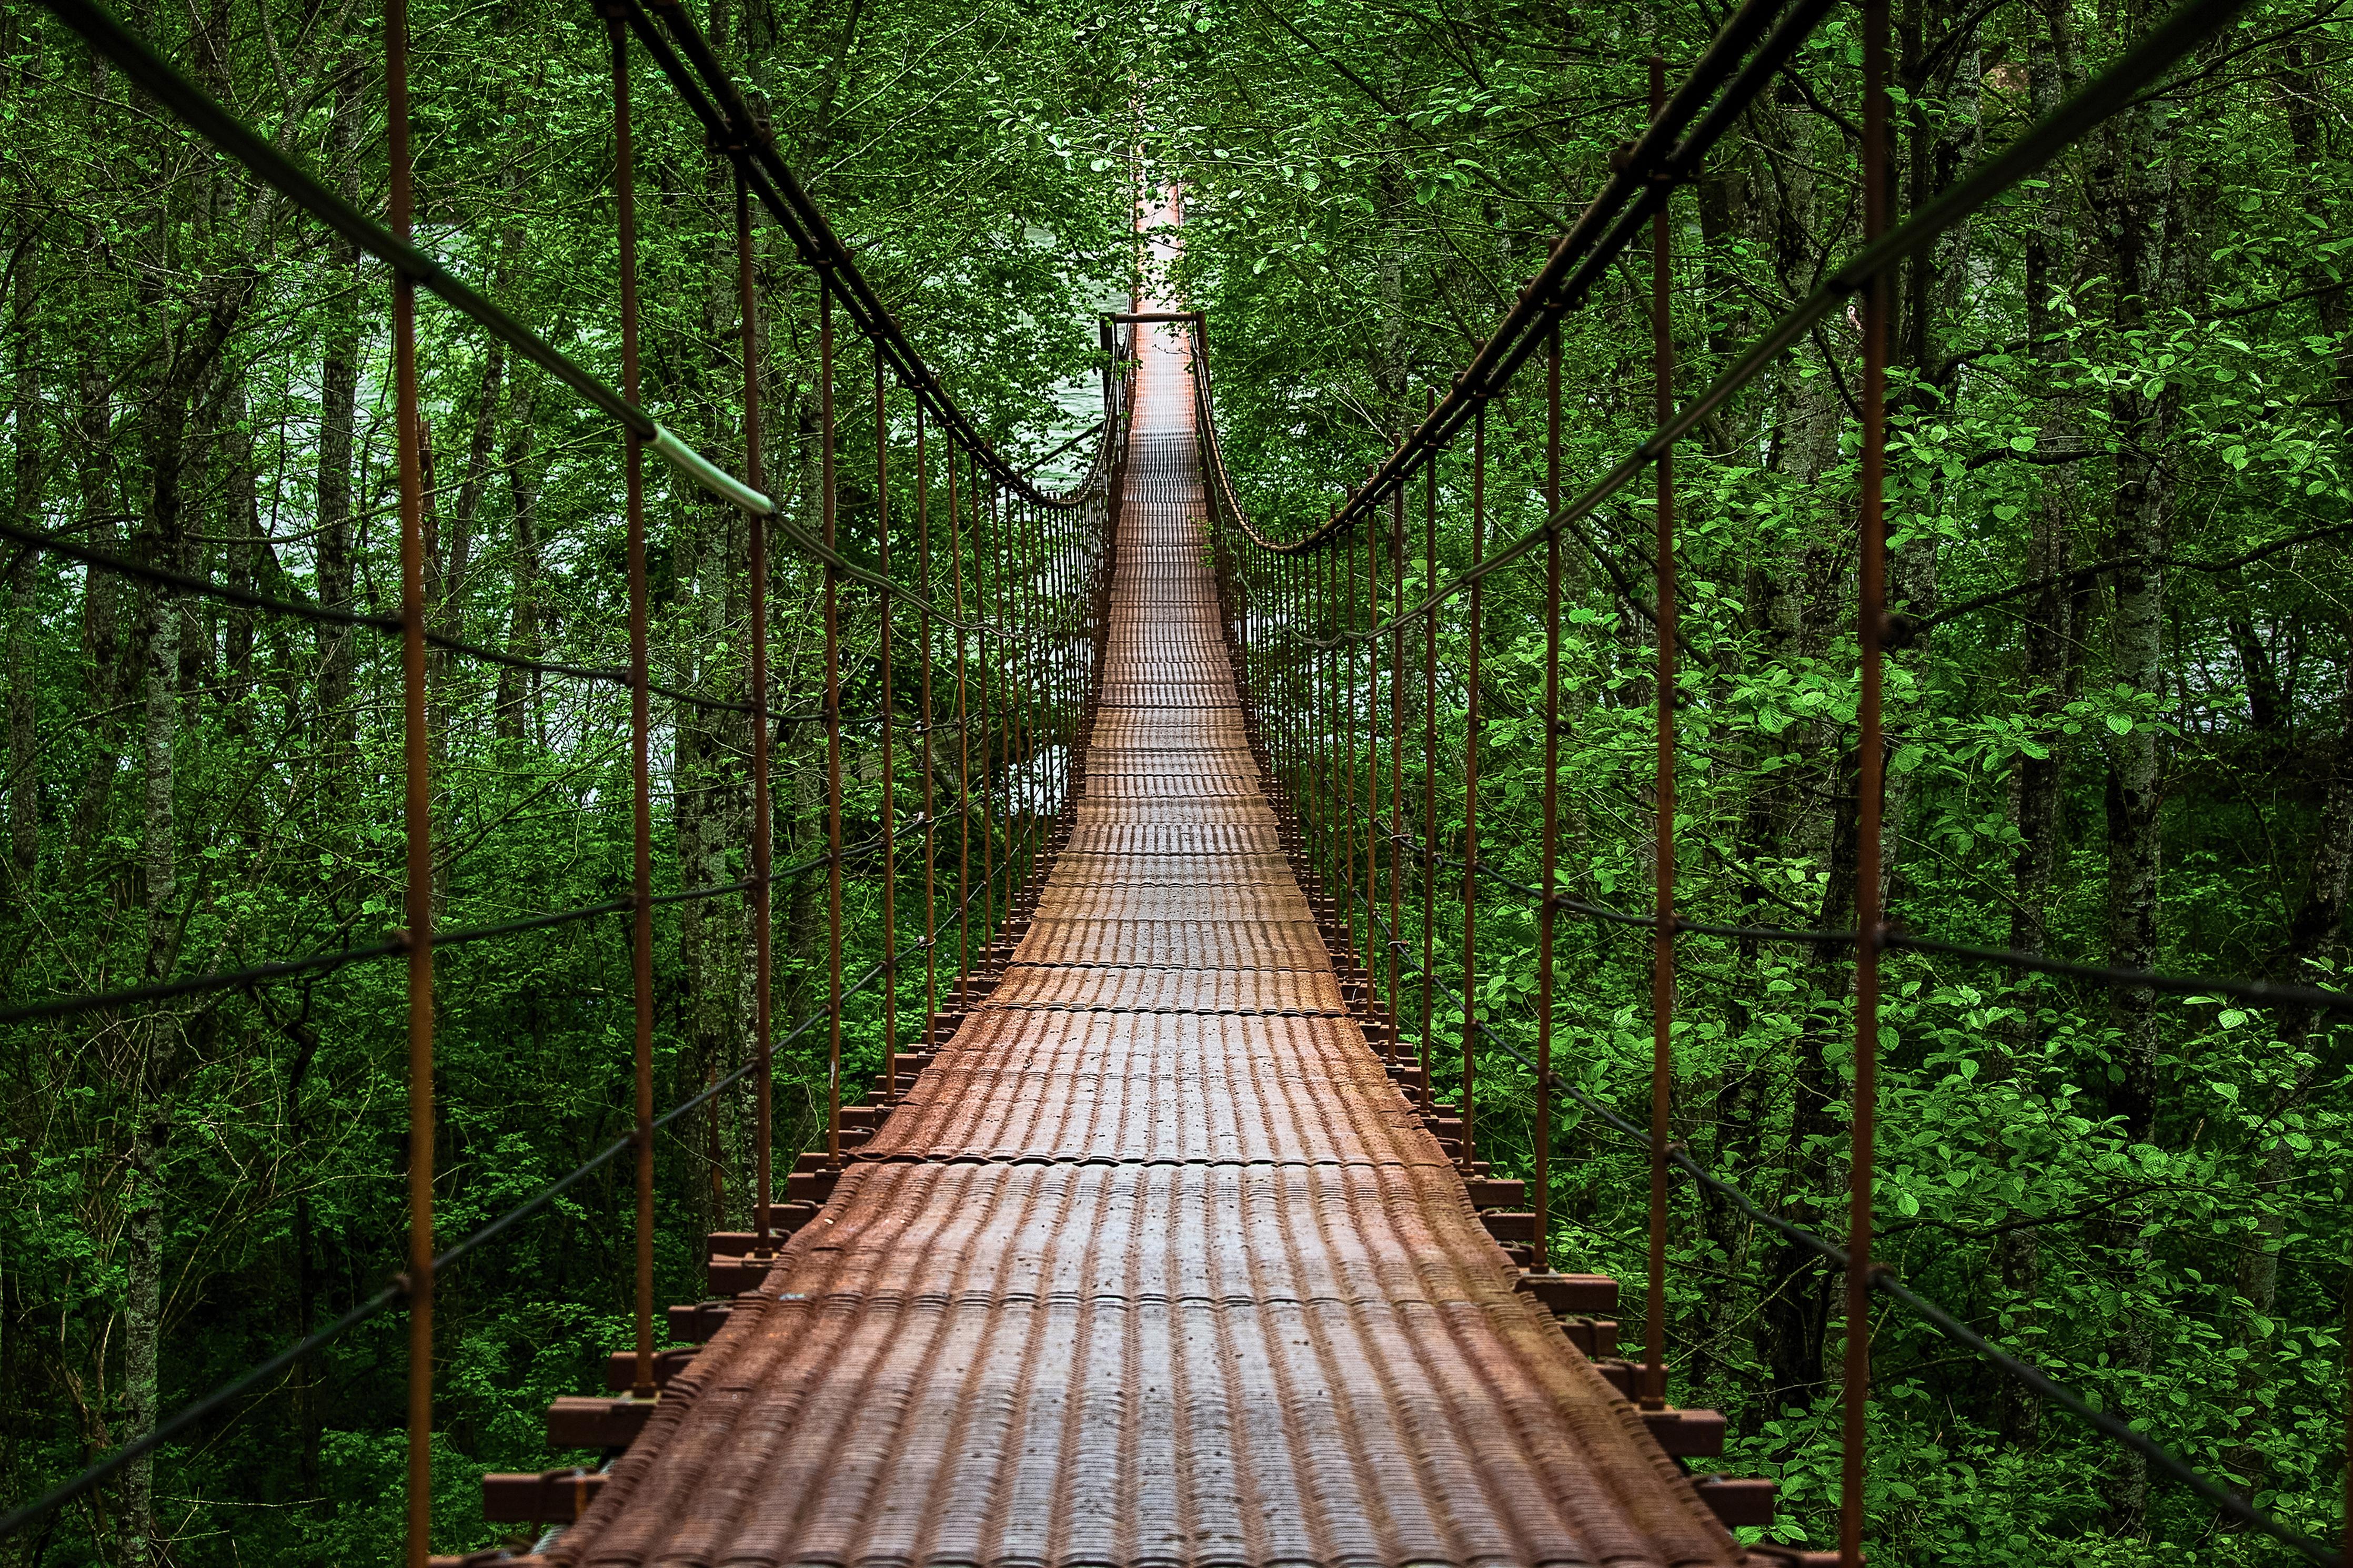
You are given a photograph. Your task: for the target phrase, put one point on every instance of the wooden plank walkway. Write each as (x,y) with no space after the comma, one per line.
(1154,1264)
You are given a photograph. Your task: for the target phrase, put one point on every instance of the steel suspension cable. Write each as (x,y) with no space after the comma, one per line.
(1884,1280)
(391,626)
(2256,993)
(1664,156)
(2157,51)
(215,125)
(283,969)
(398,1290)
(711,93)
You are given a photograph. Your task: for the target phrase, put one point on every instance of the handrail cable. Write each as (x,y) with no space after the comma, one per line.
(230,136)
(1660,159)
(1883,1278)
(98,1473)
(1331,783)
(2260,993)
(745,137)
(262,973)
(246,598)
(1034,617)
(2157,52)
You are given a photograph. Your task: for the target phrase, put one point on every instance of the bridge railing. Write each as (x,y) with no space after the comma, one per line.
(1324,630)
(1002,583)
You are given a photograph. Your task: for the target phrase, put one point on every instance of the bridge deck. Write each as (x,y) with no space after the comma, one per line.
(1154,1264)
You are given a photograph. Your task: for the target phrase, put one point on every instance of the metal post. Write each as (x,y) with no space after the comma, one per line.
(1043,679)
(416,811)
(1870,623)
(1344,670)
(882,705)
(1373,772)
(1011,652)
(1071,620)
(1340,734)
(640,727)
(1020,544)
(1287,600)
(1471,785)
(1053,598)
(982,612)
(1021,803)
(1053,681)
(1021,673)
(1340,785)
(764,1045)
(1547,910)
(964,759)
(930,752)
(1069,555)
(826,513)
(1340,769)
(1281,673)
(1307,692)
(1397,769)
(1428,765)
(1288,595)
(1662,946)
(1022,535)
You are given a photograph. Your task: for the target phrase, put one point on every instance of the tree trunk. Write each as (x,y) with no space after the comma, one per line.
(158,1030)
(446,608)
(2316,929)
(339,380)
(2051,661)
(516,686)
(101,635)
(2133,200)
(23,753)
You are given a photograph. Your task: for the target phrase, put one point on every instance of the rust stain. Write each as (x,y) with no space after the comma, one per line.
(1154,1264)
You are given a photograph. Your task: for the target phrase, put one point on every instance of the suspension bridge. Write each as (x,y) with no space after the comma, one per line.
(1155,1240)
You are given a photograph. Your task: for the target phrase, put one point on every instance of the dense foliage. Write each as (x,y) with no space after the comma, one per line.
(197,376)
(2120,708)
